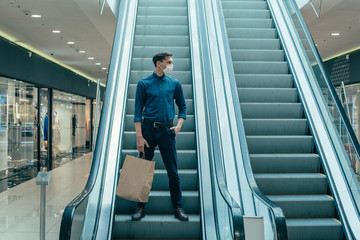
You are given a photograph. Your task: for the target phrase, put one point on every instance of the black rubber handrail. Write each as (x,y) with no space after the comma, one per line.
(277,213)
(235,209)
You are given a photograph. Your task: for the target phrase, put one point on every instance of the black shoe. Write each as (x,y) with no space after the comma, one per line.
(138,215)
(181,215)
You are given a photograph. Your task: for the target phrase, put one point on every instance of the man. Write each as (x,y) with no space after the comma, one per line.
(154,114)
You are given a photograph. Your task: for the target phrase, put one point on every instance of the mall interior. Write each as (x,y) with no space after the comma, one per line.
(270,146)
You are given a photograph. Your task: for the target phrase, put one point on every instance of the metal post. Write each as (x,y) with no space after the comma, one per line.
(50,128)
(38,129)
(42,211)
(43,179)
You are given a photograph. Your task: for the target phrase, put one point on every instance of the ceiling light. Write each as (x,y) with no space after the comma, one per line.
(104,68)
(82,51)
(36,16)
(91,58)
(56,31)
(335,34)
(71,43)
(97,64)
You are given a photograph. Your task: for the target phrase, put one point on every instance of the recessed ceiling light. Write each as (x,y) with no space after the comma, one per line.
(335,34)
(82,51)
(36,16)
(56,31)
(98,64)
(71,43)
(91,58)
(104,68)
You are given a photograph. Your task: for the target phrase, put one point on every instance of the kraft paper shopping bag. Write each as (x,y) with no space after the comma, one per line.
(136,177)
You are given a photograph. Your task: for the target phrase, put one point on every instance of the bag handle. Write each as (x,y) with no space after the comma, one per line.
(141,155)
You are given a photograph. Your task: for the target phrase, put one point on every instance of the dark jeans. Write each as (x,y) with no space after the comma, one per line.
(165,139)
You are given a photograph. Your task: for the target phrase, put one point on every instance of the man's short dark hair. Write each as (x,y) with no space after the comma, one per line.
(160,56)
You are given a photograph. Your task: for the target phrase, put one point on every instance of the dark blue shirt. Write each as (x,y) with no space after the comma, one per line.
(155,96)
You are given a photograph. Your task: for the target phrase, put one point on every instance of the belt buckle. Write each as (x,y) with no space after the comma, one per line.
(156,124)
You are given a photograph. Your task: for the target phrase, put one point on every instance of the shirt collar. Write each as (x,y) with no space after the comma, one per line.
(157,77)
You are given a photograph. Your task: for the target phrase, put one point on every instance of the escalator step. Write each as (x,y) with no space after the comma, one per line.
(257,55)
(280,144)
(264,80)
(184,140)
(183,76)
(315,228)
(291,183)
(305,206)
(160,203)
(275,127)
(156,227)
(268,95)
(187,158)
(285,163)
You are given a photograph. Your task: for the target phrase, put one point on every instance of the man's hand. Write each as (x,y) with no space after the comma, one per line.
(140,144)
(176,129)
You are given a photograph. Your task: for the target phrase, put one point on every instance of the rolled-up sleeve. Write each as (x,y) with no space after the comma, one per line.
(139,102)
(180,101)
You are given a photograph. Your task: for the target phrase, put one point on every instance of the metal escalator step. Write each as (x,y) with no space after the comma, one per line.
(188,179)
(280,144)
(156,227)
(305,206)
(183,76)
(285,163)
(180,64)
(159,20)
(162,11)
(149,30)
(153,40)
(275,127)
(254,13)
(248,23)
(260,67)
(271,110)
(186,158)
(264,80)
(149,51)
(314,228)
(254,44)
(291,183)
(253,33)
(162,3)
(275,95)
(160,203)
(257,55)
(244,5)
(184,140)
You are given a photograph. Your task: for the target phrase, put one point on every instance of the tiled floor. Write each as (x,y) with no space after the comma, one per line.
(19,206)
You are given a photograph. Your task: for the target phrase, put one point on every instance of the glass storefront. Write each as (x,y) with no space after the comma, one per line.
(25,120)
(69,127)
(18,132)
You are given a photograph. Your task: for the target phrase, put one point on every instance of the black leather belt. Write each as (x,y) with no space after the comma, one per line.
(159,124)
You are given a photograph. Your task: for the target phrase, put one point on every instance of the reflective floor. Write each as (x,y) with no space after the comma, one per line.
(19,206)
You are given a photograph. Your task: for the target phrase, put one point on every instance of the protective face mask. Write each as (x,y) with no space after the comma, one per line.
(168,68)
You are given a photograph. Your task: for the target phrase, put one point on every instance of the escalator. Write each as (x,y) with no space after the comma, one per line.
(162,25)
(283,153)
(145,27)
